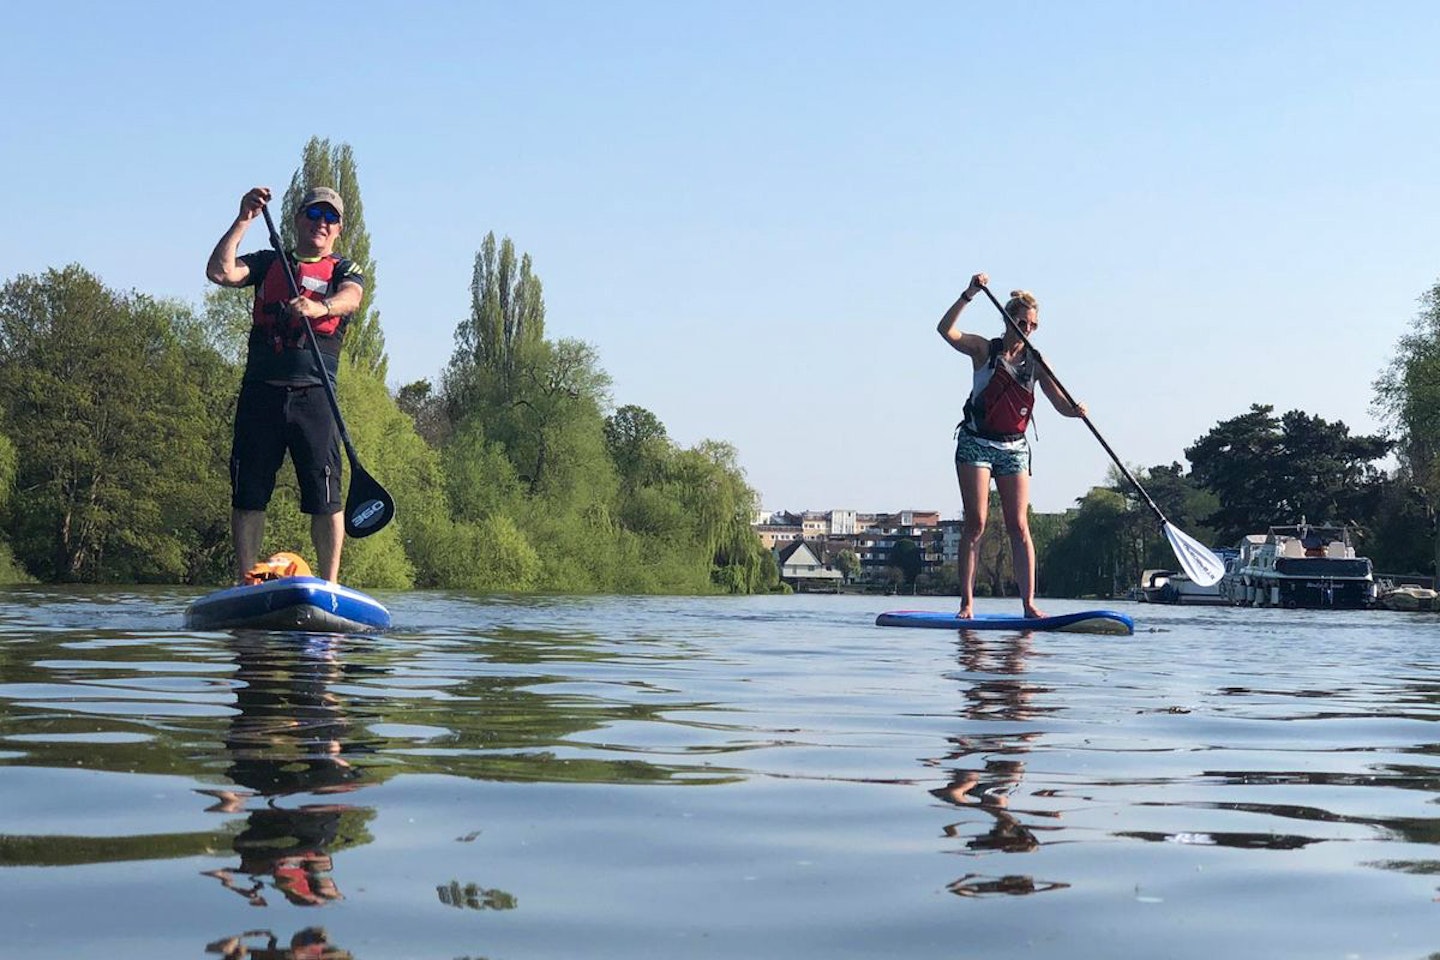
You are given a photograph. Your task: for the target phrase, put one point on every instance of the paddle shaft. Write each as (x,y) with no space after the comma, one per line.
(1061,387)
(315,344)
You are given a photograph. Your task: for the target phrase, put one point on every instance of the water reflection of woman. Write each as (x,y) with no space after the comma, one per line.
(990,791)
(984,768)
(291,736)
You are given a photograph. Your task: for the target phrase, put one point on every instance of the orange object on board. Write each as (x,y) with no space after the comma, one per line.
(279,565)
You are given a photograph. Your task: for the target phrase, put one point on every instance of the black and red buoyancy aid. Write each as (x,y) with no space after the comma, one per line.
(317,280)
(1002,397)
(279,351)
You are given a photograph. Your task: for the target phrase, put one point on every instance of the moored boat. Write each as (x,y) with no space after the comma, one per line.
(1234,587)
(1309,565)
(1173,586)
(1152,584)
(1409,598)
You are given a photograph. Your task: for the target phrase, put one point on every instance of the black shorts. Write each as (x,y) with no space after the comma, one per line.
(269,420)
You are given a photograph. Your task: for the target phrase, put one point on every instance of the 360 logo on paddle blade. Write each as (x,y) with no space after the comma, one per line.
(368,515)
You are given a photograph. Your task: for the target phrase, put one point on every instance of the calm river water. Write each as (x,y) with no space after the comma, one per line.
(750,777)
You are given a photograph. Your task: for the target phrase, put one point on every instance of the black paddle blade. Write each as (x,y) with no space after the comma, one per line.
(369,507)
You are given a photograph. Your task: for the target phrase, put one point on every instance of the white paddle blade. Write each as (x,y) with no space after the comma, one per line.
(1199,564)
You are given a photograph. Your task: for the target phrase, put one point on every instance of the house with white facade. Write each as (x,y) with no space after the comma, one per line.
(802,568)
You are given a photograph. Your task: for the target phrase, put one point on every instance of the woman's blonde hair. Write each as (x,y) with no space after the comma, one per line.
(1020,301)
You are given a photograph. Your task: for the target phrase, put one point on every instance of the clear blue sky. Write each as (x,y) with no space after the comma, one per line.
(758,211)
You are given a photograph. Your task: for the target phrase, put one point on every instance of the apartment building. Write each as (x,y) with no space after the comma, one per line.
(870,536)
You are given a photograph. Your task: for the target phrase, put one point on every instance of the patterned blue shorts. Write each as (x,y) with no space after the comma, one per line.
(1005,460)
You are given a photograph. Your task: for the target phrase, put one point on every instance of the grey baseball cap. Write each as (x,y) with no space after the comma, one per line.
(323,195)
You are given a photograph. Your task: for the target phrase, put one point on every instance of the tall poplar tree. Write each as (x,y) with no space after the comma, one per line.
(325,165)
(503,333)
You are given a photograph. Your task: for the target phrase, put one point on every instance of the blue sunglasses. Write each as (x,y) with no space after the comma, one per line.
(317,212)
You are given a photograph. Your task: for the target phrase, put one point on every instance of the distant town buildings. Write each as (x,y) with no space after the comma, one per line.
(807,544)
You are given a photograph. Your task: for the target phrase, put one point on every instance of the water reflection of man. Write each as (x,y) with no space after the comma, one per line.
(312,943)
(983,768)
(290,737)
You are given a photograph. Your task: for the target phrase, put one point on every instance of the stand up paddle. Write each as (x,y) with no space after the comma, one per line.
(1196,559)
(369,507)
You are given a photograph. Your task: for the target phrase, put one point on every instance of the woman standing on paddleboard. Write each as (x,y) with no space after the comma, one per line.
(991,437)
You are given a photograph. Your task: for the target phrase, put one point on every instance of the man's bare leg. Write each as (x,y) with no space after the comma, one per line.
(247,531)
(327,532)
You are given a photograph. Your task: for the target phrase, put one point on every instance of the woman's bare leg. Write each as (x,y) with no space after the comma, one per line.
(1015,504)
(975,499)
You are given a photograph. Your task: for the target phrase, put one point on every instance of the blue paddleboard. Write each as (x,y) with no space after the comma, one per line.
(289,603)
(1089,621)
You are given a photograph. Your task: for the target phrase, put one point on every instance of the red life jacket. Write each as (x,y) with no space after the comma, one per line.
(316,280)
(1002,398)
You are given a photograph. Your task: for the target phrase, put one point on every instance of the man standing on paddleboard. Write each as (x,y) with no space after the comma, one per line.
(991,438)
(282,404)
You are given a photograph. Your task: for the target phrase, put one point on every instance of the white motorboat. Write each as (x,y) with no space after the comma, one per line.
(1173,586)
(1311,565)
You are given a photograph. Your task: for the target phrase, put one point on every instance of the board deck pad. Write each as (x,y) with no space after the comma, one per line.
(307,604)
(1087,621)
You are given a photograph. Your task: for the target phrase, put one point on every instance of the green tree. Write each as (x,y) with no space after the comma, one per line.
(323,164)
(642,453)
(905,556)
(554,416)
(491,555)
(423,405)
(847,563)
(396,456)
(1085,560)
(1045,528)
(708,482)
(638,445)
(10,571)
(1141,542)
(216,370)
(1183,501)
(1266,470)
(994,561)
(1402,529)
(1408,394)
(228,313)
(497,341)
(113,431)
(480,481)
